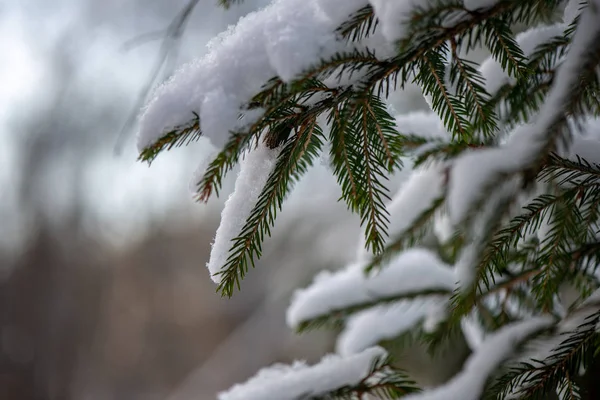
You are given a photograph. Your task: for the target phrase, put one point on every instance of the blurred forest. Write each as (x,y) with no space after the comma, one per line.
(103,289)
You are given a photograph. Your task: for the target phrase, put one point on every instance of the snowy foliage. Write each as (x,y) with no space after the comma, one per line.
(345,375)
(493,234)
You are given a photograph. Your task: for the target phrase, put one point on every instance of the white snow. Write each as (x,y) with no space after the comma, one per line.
(417,194)
(571,11)
(411,272)
(255,169)
(586,141)
(341,10)
(442,227)
(394,16)
(436,314)
(466,265)
(541,349)
(425,124)
(469,383)
(476,170)
(282,40)
(472,330)
(567,76)
(384,322)
(299,380)
(286,53)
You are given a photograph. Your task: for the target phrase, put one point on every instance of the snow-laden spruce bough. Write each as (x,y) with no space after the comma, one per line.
(494,234)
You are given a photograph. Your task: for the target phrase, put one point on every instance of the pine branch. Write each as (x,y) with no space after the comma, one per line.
(277,121)
(360,25)
(297,155)
(383,382)
(496,256)
(179,136)
(568,389)
(580,173)
(408,238)
(212,179)
(499,39)
(365,149)
(335,317)
(452,111)
(480,232)
(535,380)
(469,84)
(466,31)
(571,84)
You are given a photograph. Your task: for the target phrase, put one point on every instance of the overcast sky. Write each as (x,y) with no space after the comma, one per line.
(120,194)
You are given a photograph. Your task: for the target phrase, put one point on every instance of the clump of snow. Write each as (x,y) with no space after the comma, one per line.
(472,330)
(586,141)
(477,170)
(394,16)
(442,227)
(206,156)
(341,10)
(572,10)
(384,322)
(286,53)
(329,291)
(567,77)
(466,265)
(412,272)
(299,380)
(425,124)
(283,39)
(255,169)
(436,314)
(470,382)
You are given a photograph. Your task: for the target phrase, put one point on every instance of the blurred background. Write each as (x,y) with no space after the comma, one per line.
(104,292)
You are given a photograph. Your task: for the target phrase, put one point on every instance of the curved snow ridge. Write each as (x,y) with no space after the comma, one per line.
(385,322)
(299,380)
(255,169)
(495,349)
(283,39)
(413,272)
(474,170)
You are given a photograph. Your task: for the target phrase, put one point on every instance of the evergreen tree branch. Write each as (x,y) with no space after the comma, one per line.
(335,317)
(383,382)
(431,80)
(469,86)
(297,155)
(212,178)
(408,238)
(179,136)
(504,48)
(535,380)
(360,25)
